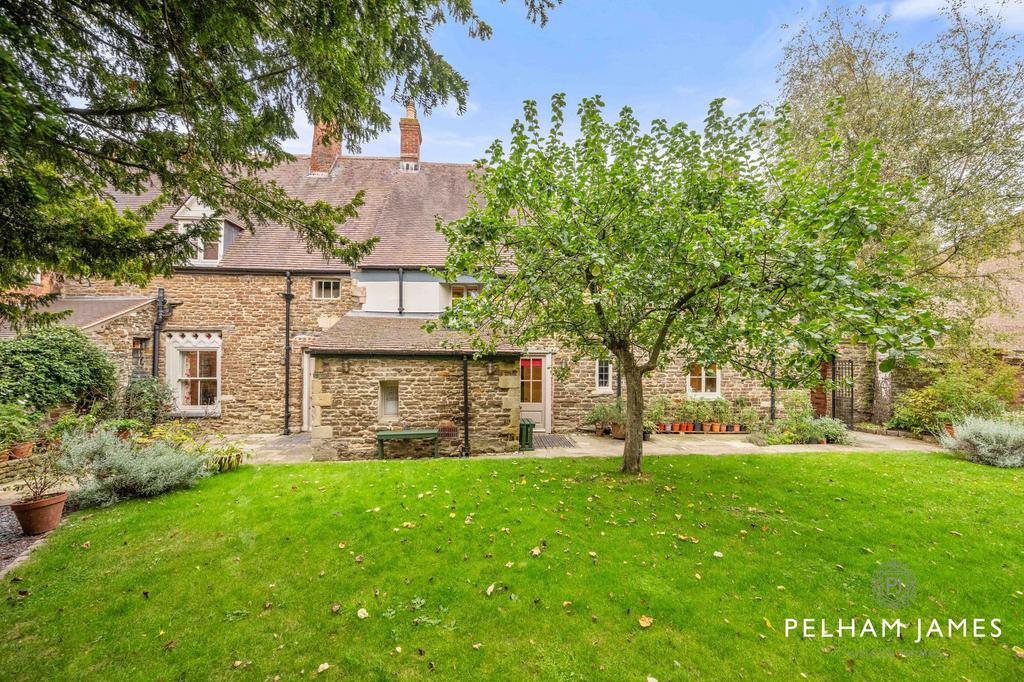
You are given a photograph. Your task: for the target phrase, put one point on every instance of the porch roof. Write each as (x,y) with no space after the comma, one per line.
(356,334)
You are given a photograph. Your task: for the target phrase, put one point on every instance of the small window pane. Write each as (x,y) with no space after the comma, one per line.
(710,384)
(327,289)
(208,364)
(603,373)
(389,398)
(695,384)
(190,364)
(211,250)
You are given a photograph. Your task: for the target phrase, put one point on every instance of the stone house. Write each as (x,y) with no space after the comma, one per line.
(257,334)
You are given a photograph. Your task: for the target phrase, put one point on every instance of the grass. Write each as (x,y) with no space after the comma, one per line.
(246,576)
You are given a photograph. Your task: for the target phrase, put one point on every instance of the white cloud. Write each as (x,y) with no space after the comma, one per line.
(913,10)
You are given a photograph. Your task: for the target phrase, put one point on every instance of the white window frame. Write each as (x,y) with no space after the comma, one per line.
(717,393)
(192,341)
(200,246)
(325,280)
(597,376)
(469,289)
(382,415)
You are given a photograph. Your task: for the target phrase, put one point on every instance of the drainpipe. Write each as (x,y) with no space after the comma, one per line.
(287,350)
(158,324)
(401,290)
(465,406)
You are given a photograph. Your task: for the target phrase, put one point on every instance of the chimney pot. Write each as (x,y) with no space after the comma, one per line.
(323,156)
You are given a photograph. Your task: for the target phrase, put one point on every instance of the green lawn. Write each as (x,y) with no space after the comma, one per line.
(247,567)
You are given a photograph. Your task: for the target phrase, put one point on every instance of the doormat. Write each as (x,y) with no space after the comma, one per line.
(551,440)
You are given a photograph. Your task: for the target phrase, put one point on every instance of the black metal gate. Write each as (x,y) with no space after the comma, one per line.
(842,393)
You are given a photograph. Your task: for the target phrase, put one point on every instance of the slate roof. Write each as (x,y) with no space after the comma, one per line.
(400,207)
(89,311)
(358,334)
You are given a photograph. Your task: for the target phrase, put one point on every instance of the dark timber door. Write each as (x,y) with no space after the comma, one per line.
(842,394)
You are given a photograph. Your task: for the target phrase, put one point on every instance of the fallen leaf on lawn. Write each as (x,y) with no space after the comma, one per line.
(780,588)
(342,545)
(743,533)
(477,646)
(651,679)
(956,533)
(363,613)
(359,558)
(592,555)
(769,624)
(322,668)
(717,555)
(510,564)
(171,644)
(646,621)
(535,551)
(236,664)
(567,603)
(86,545)
(335,608)
(697,576)
(868,550)
(827,649)
(490,589)
(408,524)
(1018,652)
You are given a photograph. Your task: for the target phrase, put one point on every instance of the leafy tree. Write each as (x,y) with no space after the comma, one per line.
(196,97)
(716,246)
(949,111)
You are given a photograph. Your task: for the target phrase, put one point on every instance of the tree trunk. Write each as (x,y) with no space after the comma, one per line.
(633,449)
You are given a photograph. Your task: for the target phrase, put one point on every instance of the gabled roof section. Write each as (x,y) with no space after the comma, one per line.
(89,311)
(400,207)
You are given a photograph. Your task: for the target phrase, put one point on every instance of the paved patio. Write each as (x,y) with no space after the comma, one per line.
(278,449)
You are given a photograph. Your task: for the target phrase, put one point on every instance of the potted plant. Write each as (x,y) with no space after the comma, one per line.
(598,417)
(699,414)
(749,419)
(684,416)
(125,428)
(649,427)
(657,408)
(40,510)
(17,429)
(617,419)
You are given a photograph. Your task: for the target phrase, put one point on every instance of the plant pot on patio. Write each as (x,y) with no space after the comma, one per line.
(40,515)
(618,431)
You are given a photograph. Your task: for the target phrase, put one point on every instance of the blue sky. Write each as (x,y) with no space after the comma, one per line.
(665,58)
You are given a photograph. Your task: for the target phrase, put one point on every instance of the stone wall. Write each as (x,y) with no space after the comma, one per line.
(116,336)
(346,400)
(13,470)
(248,311)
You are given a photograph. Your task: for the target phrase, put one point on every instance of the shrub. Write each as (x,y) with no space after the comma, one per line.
(148,400)
(109,469)
(916,410)
(998,443)
(833,430)
(607,412)
(55,366)
(657,408)
(17,425)
(120,426)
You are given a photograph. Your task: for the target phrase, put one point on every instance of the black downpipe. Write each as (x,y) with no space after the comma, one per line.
(287,351)
(401,290)
(465,406)
(158,324)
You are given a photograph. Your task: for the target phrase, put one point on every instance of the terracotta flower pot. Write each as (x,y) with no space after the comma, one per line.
(737,428)
(42,515)
(949,430)
(22,450)
(618,431)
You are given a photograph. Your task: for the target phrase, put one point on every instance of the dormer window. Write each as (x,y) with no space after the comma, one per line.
(464,290)
(208,251)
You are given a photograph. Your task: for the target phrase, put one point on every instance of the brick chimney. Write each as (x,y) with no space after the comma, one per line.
(323,156)
(411,138)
